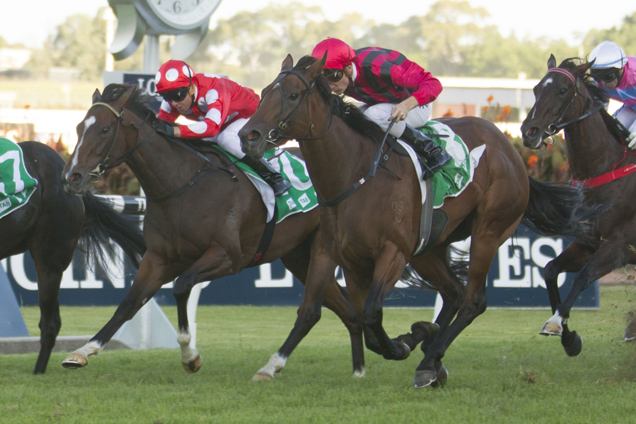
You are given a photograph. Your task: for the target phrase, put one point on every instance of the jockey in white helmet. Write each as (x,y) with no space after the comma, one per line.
(615,73)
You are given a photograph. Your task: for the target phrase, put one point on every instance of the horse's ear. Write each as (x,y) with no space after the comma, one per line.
(287,63)
(552,62)
(316,68)
(96,95)
(125,98)
(582,68)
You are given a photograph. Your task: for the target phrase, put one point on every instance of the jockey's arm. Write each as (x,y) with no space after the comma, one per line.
(402,109)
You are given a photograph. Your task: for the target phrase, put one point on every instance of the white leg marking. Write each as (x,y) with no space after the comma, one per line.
(187,353)
(276,364)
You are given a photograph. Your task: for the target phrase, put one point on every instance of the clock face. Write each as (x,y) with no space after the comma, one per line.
(181,14)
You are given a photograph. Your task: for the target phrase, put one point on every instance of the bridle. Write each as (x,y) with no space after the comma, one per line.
(283,122)
(107,164)
(558,125)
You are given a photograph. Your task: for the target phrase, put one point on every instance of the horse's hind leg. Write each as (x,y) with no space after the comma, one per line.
(482,253)
(49,277)
(572,259)
(316,271)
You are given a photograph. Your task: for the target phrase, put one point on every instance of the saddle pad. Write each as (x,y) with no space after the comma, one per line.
(16,185)
(301,197)
(451,179)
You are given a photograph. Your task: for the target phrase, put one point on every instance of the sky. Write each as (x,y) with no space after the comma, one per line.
(32,21)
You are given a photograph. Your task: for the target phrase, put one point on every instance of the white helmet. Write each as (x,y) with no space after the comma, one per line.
(608,55)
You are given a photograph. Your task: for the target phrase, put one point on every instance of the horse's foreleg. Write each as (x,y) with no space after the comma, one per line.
(315,269)
(388,269)
(149,279)
(214,263)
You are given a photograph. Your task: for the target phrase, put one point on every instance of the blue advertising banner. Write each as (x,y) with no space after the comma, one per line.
(515,280)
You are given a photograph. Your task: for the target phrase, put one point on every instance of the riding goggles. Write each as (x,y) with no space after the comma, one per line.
(605,76)
(333,75)
(177,95)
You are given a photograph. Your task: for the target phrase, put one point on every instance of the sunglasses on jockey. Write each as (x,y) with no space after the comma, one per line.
(605,75)
(177,95)
(333,75)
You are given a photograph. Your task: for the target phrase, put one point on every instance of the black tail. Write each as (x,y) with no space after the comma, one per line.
(103,224)
(558,209)
(458,262)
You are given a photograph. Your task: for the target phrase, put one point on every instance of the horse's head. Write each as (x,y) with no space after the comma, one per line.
(97,137)
(285,110)
(554,101)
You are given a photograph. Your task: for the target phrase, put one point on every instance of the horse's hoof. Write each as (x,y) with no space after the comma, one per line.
(260,376)
(442,377)
(424,378)
(551,329)
(630,332)
(194,365)
(75,361)
(572,344)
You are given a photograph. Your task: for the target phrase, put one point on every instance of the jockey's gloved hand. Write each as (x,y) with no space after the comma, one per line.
(631,140)
(163,127)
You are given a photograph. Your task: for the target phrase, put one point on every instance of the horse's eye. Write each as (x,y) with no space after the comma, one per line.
(563,91)
(294,96)
(105,129)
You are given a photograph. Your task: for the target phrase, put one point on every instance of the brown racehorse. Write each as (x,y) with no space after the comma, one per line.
(566,98)
(372,232)
(204,220)
(50,225)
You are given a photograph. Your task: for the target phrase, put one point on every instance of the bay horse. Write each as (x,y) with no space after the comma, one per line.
(371,224)
(203,221)
(567,98)
(50,226)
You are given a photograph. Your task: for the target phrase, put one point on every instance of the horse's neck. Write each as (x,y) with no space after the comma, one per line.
(159,165)
(338,159)
(591,147)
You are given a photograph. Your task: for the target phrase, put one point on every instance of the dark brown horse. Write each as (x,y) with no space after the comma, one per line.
(371,231)
(567,99)
(50,225)
(204,220)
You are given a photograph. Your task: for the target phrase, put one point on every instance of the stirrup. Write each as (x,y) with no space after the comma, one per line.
(278,183)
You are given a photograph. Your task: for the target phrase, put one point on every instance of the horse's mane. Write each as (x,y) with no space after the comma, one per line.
(348,112)
(139,102)
(598,96)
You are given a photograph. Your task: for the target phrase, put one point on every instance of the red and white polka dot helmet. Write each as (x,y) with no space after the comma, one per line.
(173,75)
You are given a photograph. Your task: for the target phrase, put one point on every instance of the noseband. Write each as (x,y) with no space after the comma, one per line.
(283,122)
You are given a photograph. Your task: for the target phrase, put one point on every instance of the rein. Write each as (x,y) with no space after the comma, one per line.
(199,175)
(556,127)
(361,181)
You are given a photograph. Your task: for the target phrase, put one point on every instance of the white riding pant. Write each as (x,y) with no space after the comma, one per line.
(229,140)
(381,113)
(627,116)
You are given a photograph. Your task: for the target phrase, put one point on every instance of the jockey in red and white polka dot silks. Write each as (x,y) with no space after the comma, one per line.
(219,106)
(216,101)
(390,85)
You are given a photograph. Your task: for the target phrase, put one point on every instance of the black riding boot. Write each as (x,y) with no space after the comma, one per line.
(434,155)
(262,167)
